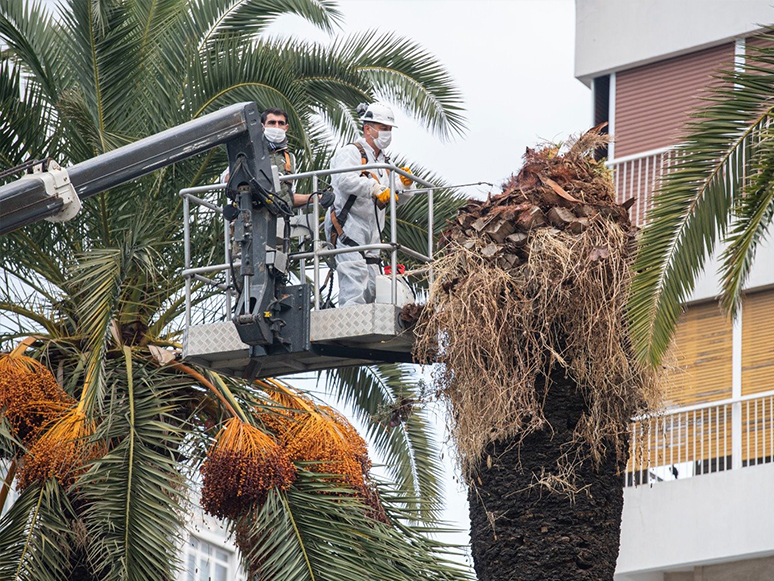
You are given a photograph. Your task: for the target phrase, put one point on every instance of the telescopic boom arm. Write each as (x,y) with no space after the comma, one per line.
(36,196)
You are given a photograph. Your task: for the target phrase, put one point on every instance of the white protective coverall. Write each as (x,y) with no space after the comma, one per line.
(357,279)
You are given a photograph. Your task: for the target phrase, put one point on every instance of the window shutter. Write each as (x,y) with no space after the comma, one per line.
(653,101)
(758,342)
(701,357)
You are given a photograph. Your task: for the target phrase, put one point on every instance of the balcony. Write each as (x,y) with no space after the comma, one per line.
(637,176)
(696,493)
(696,488)
(702,439)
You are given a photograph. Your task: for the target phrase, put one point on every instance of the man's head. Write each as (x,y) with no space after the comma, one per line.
(275,124)
(274,117)
(378,121)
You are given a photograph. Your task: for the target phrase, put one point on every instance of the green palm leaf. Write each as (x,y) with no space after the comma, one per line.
(133,493)
(403,72)
(103,52)
(28,31)
(699,197)
(25,121)
(409,451)
(320,532)
(412,216)
(751,222)
(34,535)
(244,19)
(9,444)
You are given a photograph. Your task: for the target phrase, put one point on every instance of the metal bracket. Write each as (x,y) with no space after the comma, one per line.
(277,259)
(57,182)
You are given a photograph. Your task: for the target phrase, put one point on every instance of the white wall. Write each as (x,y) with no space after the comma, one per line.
(618,34)
(761,275)
(701,520)
(640,577)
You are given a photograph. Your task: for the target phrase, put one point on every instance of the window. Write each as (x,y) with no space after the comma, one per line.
(207,562)
(601,86)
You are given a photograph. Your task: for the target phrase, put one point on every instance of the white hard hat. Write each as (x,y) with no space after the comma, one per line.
(379,113)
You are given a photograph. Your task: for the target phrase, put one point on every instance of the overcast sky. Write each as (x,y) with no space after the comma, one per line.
(512,60)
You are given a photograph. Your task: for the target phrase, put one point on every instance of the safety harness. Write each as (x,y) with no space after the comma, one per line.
(338,220)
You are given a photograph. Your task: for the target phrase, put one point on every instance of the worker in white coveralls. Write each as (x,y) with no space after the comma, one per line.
(358,212)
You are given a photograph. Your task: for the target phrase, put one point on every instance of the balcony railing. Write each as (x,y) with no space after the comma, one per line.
(637,176)
(702,439)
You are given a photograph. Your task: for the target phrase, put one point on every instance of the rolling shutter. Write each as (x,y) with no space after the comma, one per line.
(701,356)
(652,102)
(698,370)
(758,342)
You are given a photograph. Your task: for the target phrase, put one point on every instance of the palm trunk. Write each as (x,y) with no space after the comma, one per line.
(524,532)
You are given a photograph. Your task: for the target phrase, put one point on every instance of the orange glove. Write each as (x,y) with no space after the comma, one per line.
(404,180)
(384,198)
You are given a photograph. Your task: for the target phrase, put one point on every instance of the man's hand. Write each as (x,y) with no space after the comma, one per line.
(382,195)
(404,180)
(376,189)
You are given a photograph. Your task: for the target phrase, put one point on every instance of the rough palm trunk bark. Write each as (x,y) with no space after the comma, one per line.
(521,532)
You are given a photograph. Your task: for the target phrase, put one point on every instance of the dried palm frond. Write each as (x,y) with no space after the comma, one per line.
(531,280)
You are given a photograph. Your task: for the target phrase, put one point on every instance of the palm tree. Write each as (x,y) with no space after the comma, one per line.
(718,189)
(107,483)
(526,316)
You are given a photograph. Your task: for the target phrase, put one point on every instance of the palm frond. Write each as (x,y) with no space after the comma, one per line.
(28,31)
(404,73)
(307,541)
(9,444)
(155,21)
(340,123)
(411,455)
(245,19)
(26,119)
(133,493)
(35,542)
(412,217)
(103,52)
(695,203)
(752,218)
(99,278)
(237,72)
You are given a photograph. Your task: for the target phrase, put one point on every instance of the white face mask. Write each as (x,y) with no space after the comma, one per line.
(274,134)
(384,139)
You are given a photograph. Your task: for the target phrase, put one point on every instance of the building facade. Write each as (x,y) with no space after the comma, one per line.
(696,499)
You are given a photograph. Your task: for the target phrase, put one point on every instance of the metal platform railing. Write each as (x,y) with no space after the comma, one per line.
(319,250)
